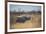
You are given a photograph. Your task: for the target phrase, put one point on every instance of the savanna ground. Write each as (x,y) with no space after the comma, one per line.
(34,22)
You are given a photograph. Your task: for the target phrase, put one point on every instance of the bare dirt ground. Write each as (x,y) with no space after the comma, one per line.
(34,22)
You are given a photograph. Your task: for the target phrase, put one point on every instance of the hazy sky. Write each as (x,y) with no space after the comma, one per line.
(24,7)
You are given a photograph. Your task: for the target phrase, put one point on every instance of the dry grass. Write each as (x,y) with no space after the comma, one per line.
(34,22)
